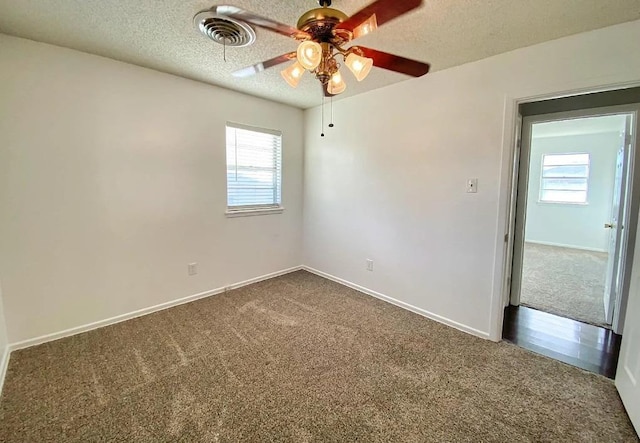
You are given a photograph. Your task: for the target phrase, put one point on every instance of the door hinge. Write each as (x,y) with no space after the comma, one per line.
(506,238)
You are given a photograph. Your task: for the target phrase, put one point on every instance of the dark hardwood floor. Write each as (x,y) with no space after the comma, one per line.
(579,344)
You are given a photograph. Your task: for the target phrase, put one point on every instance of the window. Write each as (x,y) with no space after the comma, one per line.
(254,169)
(565,178)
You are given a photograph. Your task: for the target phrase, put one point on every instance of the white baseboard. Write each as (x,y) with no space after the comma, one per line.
(120,318)
(401,304)
(4,364)
(123,317)
(561,245)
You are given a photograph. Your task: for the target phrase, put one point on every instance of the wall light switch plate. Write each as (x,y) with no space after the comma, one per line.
(369,265)
(472,185)
(192,268)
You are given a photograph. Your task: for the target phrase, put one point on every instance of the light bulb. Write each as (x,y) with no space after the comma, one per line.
(336,84)
(309,54)
(293,74)
(360,66)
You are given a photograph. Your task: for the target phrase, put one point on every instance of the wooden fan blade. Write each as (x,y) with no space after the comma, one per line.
(262,22)
(376,14)
(395,63)
(259,67)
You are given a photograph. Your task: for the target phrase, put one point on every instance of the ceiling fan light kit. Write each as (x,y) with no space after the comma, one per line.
(324,34)
(293,74)
(336,84)
(309,54)
(360,66)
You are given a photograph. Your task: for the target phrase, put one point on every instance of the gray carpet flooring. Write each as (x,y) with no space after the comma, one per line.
(564,281)
(298,358)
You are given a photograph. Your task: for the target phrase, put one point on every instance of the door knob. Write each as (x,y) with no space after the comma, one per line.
(608,225)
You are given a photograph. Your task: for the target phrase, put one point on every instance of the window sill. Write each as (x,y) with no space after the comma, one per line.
(231,213)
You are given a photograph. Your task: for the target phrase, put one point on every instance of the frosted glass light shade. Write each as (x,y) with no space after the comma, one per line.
(309,54)
(360,66)
(336,84)
(293,74)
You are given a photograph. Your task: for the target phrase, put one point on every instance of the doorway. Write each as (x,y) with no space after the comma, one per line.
(567,177)
(574,214)
(573,194)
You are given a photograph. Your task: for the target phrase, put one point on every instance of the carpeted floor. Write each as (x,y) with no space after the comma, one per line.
(564,281)
(298,358)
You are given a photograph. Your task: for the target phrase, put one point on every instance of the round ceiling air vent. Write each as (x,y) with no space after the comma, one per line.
(224,30)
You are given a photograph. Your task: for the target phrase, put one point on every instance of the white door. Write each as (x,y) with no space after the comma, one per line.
(612,279)
(628,373)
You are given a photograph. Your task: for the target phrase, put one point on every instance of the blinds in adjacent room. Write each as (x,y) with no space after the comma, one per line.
(565,178)
(254,167)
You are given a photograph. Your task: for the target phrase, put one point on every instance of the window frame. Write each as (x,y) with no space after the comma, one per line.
(541,188)
(258,208)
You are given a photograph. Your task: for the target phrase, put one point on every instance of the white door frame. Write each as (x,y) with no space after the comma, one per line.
(506,203)
(522,192)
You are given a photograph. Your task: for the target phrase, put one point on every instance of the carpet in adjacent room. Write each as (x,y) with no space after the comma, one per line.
(564,281)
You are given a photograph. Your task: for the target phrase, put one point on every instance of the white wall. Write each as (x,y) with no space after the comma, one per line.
(570,225)
(112,179)
(388,182)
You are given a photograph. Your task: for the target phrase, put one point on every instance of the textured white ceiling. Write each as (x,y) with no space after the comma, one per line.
(159,34)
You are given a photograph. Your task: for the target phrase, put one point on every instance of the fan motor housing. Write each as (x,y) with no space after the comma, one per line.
(319,22)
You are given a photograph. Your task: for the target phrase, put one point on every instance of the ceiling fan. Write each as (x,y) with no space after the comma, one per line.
(324,34)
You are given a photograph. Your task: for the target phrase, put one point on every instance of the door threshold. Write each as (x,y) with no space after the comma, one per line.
(561,315)
(589,347)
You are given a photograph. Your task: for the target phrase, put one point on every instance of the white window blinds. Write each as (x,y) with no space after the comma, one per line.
(254,167)
(565,178)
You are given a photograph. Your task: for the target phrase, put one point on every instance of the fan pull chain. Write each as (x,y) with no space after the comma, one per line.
(322,117)
(331,102)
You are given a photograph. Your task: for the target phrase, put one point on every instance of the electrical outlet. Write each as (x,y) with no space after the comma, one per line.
(369,265)
(192,268)
(472,185)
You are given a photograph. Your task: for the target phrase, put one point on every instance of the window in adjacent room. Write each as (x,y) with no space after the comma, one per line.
(254,170)
(565,178)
